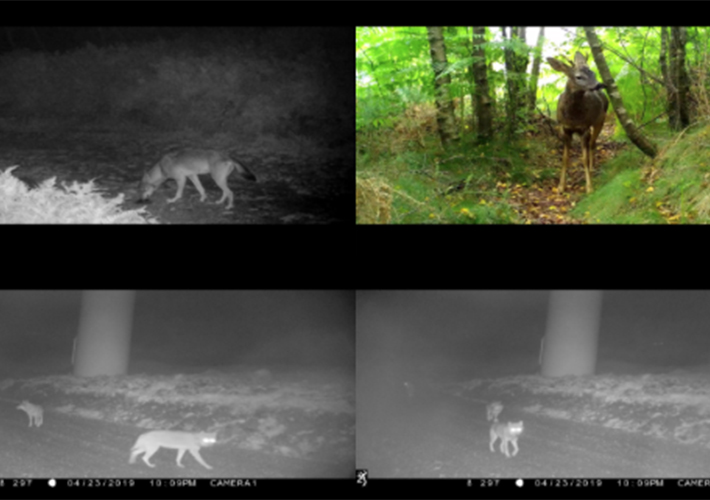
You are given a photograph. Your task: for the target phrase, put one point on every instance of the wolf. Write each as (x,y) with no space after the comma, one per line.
(493,410)
(188,163)
(35,412)
(151,442)
(509,432)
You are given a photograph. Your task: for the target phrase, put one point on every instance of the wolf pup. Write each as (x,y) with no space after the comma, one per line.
(33,411)
(151,442)
(188,164)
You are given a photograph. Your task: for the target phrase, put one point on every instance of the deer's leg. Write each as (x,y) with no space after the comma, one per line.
(594,133)
(587,158)
(565,159)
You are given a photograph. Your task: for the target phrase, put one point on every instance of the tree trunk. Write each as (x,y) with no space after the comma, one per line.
(103,344)
(671,91)
(445,118)
(515,65)
(481,96)
(680,76)
(570,343)
(535,72)
(630,128)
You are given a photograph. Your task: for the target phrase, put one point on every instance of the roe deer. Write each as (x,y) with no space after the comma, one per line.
(581,110)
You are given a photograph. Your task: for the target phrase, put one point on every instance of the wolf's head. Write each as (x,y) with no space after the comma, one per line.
(207,438)
(147,186)
(515,428)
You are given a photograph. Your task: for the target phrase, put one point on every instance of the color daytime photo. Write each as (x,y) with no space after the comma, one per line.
(532,125)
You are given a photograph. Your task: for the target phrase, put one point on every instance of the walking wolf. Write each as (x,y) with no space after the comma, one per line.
(509,432)
(150,442)
(188,164)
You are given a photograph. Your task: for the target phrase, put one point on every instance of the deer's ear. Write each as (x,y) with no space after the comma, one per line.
(557,65)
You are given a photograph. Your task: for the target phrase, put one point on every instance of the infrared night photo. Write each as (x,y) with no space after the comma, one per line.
(533,384)
(177,384)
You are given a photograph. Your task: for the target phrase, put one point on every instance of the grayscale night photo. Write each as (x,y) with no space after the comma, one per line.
(176,124)
(177,384)
(533,384)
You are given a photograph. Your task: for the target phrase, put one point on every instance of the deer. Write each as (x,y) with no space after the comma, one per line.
(581,110)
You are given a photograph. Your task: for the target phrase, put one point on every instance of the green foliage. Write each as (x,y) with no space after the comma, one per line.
(395,87)
(375,113)
(672,189)
(397,61)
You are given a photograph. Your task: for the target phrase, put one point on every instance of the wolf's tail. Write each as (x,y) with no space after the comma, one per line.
(244,171)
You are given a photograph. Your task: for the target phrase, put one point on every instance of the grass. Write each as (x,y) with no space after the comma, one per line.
(472,183)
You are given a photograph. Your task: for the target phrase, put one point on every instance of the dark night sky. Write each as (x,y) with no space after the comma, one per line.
(186,328)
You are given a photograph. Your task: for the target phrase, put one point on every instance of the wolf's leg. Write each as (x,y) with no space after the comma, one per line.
(196,181)
(220,179)
(180,186)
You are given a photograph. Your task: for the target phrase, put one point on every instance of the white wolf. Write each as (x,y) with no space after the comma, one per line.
(151,442)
